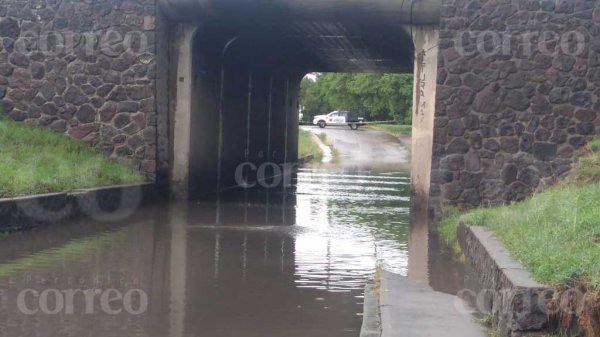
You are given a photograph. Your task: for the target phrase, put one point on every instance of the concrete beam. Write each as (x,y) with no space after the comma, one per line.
(415,11)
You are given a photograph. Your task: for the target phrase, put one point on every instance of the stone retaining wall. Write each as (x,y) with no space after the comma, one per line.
(509,121)
(517,302)
(83,68)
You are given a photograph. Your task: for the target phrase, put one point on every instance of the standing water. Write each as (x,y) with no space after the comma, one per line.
(291,264)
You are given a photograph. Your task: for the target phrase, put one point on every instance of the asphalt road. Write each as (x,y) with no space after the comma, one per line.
(364,148)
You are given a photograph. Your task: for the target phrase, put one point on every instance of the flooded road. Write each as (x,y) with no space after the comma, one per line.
(285,263)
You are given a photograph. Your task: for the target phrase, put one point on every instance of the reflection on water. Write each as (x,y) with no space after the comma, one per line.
(349,223)
(279,264)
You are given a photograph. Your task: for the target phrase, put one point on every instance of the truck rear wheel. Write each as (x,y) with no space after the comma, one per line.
(322,124)
(354,126)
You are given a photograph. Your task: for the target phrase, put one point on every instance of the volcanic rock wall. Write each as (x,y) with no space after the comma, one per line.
(517,96)
(83,68)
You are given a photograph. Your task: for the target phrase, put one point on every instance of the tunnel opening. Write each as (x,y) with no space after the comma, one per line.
(356,122)
(383,100)
(238,83)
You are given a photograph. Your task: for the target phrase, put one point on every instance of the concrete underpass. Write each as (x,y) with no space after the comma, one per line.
(239,64)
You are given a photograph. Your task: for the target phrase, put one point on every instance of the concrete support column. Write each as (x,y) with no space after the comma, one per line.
(183,111)
(426,41)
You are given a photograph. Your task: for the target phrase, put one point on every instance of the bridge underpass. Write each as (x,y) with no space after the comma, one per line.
(239,65)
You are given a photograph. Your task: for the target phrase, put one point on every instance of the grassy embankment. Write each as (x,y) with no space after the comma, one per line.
(555,234)
(36,161)
(398,130)
(307,146)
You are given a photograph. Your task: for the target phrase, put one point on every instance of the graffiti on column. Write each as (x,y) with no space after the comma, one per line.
(422,80)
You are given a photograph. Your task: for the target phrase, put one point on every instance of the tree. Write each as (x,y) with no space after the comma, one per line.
(377,96)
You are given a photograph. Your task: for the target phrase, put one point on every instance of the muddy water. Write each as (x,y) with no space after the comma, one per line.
(275,265)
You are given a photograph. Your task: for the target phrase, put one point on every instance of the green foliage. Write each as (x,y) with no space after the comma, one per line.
(376,96)
(307,146)
(36,161)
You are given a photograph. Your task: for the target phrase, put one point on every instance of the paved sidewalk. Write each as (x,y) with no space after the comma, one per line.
(411,309)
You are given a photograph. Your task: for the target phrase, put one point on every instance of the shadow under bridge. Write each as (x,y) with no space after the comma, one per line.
(238,67)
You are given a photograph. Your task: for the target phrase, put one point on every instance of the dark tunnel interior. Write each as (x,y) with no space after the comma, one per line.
(246,82)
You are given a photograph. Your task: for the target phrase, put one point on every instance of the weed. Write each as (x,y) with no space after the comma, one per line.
(487,319)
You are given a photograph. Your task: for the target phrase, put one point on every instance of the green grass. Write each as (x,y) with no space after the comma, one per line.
(487,319)
(307,146)
(554,234)
(36,161)
(588,167)
(394,129)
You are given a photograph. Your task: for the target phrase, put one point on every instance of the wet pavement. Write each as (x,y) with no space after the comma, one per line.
(414,309)
(365,148)
(281,263)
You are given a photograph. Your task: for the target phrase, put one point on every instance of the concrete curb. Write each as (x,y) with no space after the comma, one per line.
(371,324)
(102,203)
(517,301)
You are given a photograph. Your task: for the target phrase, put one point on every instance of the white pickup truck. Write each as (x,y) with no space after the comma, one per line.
(339,118)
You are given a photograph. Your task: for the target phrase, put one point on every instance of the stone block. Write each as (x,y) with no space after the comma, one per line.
(544,151)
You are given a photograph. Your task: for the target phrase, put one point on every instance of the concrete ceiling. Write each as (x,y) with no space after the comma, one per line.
(310,35)
(422,12)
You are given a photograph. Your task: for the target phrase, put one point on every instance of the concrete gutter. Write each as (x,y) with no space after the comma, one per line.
(371,325)
(325,149)
(101,203)
(517,301)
